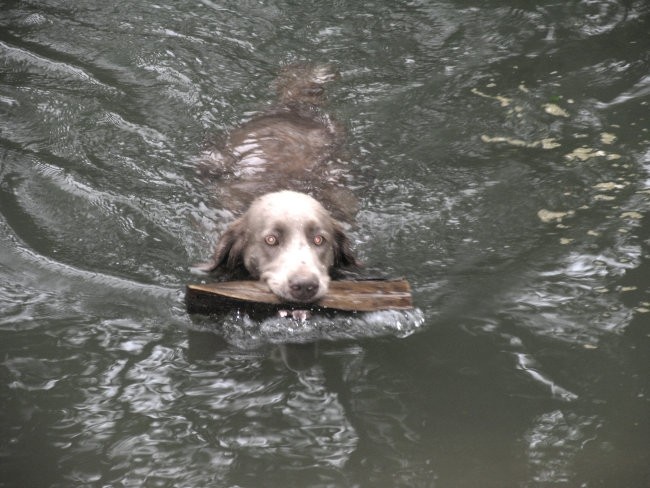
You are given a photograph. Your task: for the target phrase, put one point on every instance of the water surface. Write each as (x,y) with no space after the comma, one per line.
(505,156)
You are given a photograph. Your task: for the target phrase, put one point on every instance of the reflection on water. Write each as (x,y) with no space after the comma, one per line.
(504,157)
(550,431)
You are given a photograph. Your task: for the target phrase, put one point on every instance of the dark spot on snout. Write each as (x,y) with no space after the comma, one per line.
(303,289)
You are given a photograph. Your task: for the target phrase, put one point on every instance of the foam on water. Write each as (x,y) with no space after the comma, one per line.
(245,332)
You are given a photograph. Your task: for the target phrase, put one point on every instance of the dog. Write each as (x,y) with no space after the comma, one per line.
(283,166)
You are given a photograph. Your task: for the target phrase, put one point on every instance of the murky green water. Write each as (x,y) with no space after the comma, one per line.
(506,158)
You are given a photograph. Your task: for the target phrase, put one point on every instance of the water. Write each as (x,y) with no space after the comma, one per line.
(506,159)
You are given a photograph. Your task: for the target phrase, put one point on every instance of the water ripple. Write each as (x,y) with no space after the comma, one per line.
(30,61)
(247,333)
(502,153)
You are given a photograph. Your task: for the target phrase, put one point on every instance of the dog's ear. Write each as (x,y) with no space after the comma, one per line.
(343,255)
(229,253)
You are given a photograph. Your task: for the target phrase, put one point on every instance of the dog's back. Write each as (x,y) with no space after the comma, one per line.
(293,145)
(292,138)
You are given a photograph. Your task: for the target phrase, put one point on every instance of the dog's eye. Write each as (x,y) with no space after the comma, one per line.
(319,240)
(271,240)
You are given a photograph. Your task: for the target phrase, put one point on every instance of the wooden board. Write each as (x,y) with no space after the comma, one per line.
(349,296)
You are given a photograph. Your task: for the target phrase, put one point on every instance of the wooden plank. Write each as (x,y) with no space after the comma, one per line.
(348,295)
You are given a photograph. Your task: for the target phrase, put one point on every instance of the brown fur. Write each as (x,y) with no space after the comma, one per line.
(293,146)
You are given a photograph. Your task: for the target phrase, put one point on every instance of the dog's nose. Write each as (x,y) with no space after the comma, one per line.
(303,289)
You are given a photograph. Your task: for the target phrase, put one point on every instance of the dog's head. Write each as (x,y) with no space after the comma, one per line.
(289,241)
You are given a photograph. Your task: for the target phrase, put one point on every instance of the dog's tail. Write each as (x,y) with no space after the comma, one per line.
(305,82)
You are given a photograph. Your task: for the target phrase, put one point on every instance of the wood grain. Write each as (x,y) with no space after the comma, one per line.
(349,296)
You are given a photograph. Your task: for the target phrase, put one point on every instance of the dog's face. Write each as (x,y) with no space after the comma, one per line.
(289,241)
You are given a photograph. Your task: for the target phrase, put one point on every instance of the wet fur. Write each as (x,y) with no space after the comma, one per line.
(291,146)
